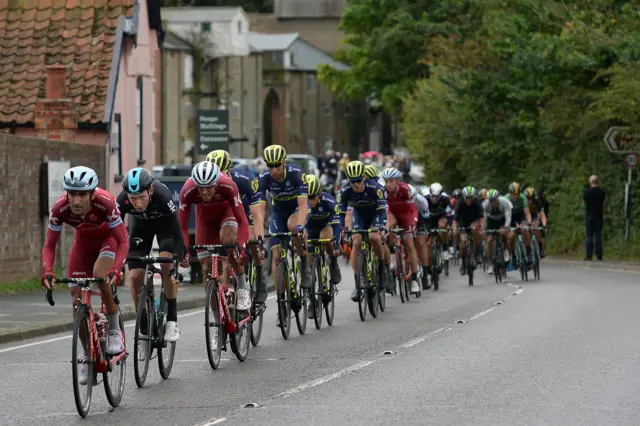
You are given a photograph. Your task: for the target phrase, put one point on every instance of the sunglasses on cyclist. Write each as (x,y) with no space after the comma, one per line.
(274,166)
(356,181)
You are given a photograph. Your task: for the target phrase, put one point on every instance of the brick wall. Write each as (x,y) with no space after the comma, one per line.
(21,225)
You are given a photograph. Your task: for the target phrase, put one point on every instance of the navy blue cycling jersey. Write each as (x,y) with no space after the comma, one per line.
(325,213)
(245,187)
(373,198)
(285,192)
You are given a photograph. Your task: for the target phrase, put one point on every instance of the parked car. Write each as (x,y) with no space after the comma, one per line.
(308,162)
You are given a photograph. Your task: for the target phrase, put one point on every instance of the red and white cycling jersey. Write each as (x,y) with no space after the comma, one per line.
(401,202)
(226,195)
(101,221)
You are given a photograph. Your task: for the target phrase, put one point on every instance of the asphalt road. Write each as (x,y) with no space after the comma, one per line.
(561,351)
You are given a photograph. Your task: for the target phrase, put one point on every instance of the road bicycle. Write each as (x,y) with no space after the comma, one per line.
(520,252)
(223,323)
(469,260)
(256,312)
(89,350)
(154,312)
(290,295)
(402,271)
(499,264)
(323,291)
(368,277)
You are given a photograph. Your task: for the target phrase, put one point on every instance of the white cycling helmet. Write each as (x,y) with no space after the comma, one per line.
(436,189)
(414,191)
(80,178)
(205,173)
(391,173)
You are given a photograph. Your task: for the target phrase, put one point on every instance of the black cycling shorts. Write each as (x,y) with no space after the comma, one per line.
(517,219)
(141,233)
(494,225)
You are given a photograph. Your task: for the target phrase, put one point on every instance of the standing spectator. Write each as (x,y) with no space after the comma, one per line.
(593,201)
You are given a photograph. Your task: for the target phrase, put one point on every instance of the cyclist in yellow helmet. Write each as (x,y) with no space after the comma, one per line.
(369,201)
(252,209)
(538,215)
(324,222)
(287,186)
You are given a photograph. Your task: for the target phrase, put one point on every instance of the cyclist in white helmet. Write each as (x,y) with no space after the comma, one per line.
(220,219)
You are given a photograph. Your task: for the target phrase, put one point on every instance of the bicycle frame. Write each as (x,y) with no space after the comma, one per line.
(230,326)
(520,249)
(102,363)
(284,247)
(319,251)
(402,251)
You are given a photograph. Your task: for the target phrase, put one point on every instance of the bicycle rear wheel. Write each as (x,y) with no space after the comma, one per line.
(81,339)
(435,267)
(166,350)
(317,291)
(536,260)
(470,260)
(115,390)
(213,324)
(142,343)
(284,301)
(256,314)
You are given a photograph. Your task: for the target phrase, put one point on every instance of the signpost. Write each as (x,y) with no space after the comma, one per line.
(213,130)
(622,140)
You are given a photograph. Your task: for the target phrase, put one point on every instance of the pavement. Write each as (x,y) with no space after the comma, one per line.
(559,351)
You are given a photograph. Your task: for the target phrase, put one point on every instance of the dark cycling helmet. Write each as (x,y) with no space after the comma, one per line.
(137,180)
(456,193)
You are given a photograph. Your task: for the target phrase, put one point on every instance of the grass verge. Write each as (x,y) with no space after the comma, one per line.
(25,285)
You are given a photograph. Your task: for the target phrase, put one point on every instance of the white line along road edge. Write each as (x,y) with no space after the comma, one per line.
(423,338)
(214,422)
(325,379)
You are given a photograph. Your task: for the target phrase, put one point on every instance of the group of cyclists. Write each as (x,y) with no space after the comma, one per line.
(230,209)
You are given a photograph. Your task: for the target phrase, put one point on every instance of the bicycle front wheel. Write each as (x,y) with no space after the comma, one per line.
(142,339)
(283,292)
(115,378)
(80,359)
(317,291)
(213,325)
(362,285)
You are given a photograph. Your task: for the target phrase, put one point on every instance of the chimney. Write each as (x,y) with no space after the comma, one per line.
(55,115)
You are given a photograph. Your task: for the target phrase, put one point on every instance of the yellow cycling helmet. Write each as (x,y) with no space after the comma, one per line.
(530,192)
(355,171)
(313,185)
(221,158)
(274,154)
(371,172)
(483,193)
(514,188)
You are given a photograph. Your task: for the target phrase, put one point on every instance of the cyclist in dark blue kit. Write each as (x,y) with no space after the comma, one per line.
(252,209)
(286,184)
(368,200)
(324,222)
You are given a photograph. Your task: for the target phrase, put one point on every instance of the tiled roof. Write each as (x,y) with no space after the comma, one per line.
(76,33)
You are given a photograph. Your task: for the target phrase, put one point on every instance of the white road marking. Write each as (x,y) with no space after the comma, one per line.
(423,338)
(518,291)
(480,314)
(312,384)
(214,421)
(57,339)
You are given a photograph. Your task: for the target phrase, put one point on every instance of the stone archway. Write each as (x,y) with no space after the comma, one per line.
(272,119)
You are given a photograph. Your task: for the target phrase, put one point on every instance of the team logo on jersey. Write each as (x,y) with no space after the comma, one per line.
(304,178)
(255,185)
(172,207)
(380,195)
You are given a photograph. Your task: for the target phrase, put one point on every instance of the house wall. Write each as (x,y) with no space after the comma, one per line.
(23,228)
(138,61)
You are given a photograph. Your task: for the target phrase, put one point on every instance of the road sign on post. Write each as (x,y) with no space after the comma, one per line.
(621,140)
(213,130)
(631,160)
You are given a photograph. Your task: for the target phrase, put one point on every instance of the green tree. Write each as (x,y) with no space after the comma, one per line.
(525,90)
